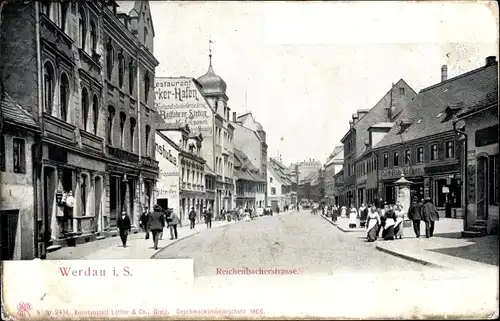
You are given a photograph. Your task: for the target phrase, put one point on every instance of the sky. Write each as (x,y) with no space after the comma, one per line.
(306,67)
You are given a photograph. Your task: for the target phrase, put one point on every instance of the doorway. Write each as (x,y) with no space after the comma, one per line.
(482,188)
(113,201)
(97,203)
(49,190)
(8,222)
(163,202)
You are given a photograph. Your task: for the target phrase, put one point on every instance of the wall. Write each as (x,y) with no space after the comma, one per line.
(16,193)
(168,180)
(246,140)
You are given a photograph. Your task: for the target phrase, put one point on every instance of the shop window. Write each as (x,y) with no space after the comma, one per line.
(48,87)
(420,154)
(450,149)
(85,108)
(19,155)
(493,179)
(386,160)
(407,156)
(123,119)
(395,158)
(434,152)
(64,96)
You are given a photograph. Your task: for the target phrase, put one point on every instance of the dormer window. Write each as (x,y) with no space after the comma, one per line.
(450,112)
(404,125)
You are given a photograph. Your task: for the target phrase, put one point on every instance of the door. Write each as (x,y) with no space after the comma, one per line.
(113,201)
(482,188)
(274,204)
(8,227)
(163,202)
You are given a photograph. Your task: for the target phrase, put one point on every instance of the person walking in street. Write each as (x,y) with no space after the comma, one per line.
(172,225)
(381,213)
(208,218)
(124,227)
(390,222)
(335,213)
(192,218)
(415,215)
(363,214)
(223,214)
(144,222)
(430,216)
(373,223)
(398,227)
(156,224)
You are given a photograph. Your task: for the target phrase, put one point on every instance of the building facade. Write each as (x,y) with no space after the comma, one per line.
(338,189)
(305,168)
(250,183)
(332,166)
(85,73)
(169,179)
(280,185)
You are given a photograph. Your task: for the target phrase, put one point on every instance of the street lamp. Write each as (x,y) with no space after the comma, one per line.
(459,128)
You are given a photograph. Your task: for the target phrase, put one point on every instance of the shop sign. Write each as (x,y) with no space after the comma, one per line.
(396,172)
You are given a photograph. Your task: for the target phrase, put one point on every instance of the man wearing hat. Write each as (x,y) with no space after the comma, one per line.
(156,224)
(430,215)
(415,215)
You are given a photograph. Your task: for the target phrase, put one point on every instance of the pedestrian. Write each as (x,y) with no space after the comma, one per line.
(208,217)
(430,216)
(381,213)
(335,213)
(277,209)
(163,222)
(223,213)
(415,215)
(192,218)
(124,227)
(174,221)
(398,227)
(373,223)
(144,222)
(353,215)
(363,213)
(156,224)
(390,222)
(343,211)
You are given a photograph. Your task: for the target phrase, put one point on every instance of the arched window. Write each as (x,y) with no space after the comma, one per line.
(95,112)
(93,36)
(109,127)
(146,86)
(148,130)
(131,76)
(48,87)
(64,8)
(121,68)
(109,59)
(85,108)
(64,97)
(123,119)
(82,24)
(132,133)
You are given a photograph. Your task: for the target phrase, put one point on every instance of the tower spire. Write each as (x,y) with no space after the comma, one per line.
(210,49)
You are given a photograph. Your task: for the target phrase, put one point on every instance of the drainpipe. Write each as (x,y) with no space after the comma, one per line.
(465,180)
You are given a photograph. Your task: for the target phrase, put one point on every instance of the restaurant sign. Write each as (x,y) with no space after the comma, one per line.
(408,171)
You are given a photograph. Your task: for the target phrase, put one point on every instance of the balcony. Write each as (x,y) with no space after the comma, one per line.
(57,128)
(150,163)
(91,141)
(122,155)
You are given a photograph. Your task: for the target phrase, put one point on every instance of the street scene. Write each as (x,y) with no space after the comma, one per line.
(255,139)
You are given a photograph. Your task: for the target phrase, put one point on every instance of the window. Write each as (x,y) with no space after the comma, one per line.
(401,90)
(48,87)
(132,133)
(95,112)
(386,160)
(19,155)
(85,108)
(121,68)
(148,130)
(93,37)
(270,179)
(111,117)
(82,25)
(407,156)
(131,76)
(83,193)
(420,154)
(64,7)
(146,87)
(64,97)
(434,152)
(123,119)
(109,59)
(450,149)
(493,179)
(46,8)
(395,158)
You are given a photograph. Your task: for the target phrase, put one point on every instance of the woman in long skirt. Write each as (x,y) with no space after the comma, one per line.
(353,217)
(398,226)
(372,222)
(335,213)
(390,221)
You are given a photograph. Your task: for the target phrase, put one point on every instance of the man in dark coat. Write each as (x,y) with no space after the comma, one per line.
(415,215)
(144,222)
(124,227)
(192,218)
(430,215)
(156,224)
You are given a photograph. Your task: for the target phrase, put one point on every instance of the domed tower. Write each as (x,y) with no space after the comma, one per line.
(214,88)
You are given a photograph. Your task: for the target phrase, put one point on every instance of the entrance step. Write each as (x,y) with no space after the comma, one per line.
(479,228)
(471,234)
(100,237)
(481,223)
(53,248)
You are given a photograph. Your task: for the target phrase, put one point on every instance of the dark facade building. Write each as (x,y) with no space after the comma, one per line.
(85,71)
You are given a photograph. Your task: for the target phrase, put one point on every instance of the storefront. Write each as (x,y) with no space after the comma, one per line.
(444,187)
(388,177)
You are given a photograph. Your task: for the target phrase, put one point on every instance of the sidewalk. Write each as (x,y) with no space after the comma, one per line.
(137,246)
(343,224)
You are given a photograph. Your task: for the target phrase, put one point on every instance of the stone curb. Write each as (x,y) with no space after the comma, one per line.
(408,257)
(180,239)
(340,228)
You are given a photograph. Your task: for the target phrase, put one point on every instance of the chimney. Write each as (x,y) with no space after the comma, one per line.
(444,73)
(491,60)
(234,116)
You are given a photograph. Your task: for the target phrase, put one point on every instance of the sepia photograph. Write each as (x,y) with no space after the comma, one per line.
(249,160)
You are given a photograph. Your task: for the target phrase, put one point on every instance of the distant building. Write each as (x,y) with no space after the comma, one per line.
(333,165)
(250,183)
(279,185)
(306,168)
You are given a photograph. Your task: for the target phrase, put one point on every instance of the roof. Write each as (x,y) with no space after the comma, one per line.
(426,113)
(13,112)
(211,83)
(173,126)
(281,171)
(244,168)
